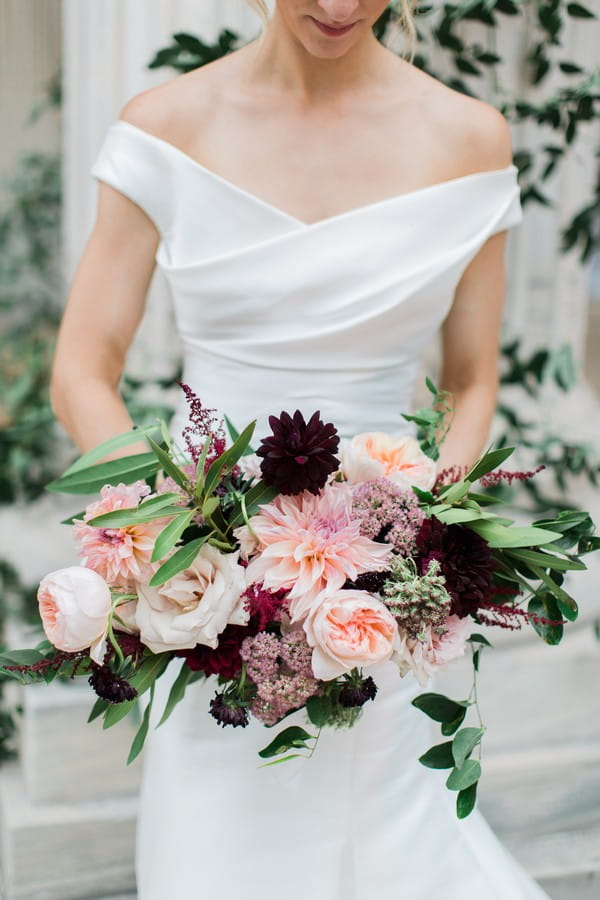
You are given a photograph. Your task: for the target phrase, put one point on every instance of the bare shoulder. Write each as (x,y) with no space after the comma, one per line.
(472,131)
(172,110)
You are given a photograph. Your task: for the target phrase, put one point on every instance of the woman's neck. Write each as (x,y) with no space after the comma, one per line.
(279,61)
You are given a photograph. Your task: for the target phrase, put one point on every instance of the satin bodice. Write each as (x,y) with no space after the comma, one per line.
(278,314)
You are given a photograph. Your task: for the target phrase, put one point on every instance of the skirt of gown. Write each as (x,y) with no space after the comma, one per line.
(360,820)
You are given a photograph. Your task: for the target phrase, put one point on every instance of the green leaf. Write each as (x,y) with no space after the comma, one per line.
(228,459)
(438,757)
(177,692)
(180,560)
(107,447)
(465,801)
(500,536)
(142,733)
(319,710)
(438,707)
(168,466)
(209,506)
(491,460)
(121,518)
(479,639)
(282,759)
(258,495)
(448,728)
(539,558)
(545,605)
(579,12)
(171,534)
(290,738)
(90,480)
(423,496)
(20,658)
(453,492)
(464,743)
(234,435)
(99,707)
(459,516)
(461,778)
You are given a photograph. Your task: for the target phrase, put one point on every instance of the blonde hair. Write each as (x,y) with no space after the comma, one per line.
(406,20)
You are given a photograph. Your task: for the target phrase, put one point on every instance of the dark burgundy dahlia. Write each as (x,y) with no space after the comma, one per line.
(466,563)
(299,456)
(224,660)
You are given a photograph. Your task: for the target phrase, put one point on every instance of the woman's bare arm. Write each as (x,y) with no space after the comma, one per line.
(104,308)
(471,331)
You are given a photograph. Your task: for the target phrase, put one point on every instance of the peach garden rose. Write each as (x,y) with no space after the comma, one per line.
(75,605)
(375,454)
(349,629)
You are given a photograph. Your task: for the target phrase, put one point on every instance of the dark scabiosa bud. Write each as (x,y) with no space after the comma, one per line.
(111,687)
(372,582)
(227,712)
(299,456)
(357,693)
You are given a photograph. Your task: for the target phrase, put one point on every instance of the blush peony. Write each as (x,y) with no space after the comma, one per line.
(195,606)
(121,556)
(375,454)
(75,605)
(349,629)
(440,646)
(308,543)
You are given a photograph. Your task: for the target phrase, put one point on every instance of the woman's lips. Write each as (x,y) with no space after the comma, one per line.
(333,32)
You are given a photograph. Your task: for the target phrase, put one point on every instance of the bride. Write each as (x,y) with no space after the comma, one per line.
(320,207)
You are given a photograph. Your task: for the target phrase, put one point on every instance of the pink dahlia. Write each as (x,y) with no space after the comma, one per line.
(309,543)
(120,555)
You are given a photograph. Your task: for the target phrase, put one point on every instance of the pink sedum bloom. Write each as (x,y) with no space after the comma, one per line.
(122,556)
(439,647)
(75,605)
(375,454)
(349,629)
(309,543)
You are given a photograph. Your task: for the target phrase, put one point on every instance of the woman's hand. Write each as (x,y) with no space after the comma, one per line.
(104,308)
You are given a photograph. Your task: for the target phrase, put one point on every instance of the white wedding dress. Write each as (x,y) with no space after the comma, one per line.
(278,314)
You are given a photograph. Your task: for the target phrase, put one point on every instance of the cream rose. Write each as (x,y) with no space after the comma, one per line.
(375,454)
(349,629)
(433,654)
(195,606)
(75,605)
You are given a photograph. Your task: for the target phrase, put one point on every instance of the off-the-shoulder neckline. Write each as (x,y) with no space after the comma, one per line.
(510,169)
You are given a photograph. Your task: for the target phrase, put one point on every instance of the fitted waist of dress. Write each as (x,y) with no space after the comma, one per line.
(354,399)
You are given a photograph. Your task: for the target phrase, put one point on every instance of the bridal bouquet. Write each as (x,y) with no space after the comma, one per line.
(289,573)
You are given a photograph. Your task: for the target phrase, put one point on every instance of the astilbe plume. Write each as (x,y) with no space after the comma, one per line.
(298,456)
(492,479)
(465,559)
(264,606)
(205,425)
(415,600)
(388,513)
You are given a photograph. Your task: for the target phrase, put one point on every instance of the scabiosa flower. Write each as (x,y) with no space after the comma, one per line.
(372,582)
(110,686)
(120,555)
(387,512)
(298,456)
(308,543)
(357,694)
(417,601)
(466,562)
(227,712)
